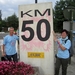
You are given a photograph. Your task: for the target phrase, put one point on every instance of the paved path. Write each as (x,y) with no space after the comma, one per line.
(71,67)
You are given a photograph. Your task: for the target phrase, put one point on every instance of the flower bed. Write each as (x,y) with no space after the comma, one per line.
(15,68)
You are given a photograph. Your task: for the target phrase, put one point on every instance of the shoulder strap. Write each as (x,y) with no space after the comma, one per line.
(70,50)
(66,40)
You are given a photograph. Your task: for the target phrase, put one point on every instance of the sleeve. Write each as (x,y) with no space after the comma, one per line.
(59,41)
(68,44)
(4,41)
(17,38)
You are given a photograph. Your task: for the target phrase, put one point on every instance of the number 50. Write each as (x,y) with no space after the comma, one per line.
(38,30)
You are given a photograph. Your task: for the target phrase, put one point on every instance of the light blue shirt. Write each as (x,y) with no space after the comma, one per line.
(64,53)
(10,42)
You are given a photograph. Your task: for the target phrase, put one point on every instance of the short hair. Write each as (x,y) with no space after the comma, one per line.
(11,28)
(64,30)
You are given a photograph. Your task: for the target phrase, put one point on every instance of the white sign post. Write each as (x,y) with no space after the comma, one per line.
(36,38)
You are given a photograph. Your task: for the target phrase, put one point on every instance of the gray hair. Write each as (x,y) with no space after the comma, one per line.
(11,28)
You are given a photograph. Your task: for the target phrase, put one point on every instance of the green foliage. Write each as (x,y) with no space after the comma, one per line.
(58,13)
(58,16)
(11,21)
(0,25)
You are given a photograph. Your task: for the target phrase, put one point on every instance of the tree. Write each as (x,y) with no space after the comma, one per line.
(0,20)
(58,13)
(0,15)
(12,21)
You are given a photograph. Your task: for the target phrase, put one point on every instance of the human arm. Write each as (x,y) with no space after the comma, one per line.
(3,46)
(65,46)
(61,46)
(54,36)
(3,52)
(17,37)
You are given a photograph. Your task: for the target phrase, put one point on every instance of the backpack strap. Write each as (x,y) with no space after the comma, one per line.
(70,50)
(66,40)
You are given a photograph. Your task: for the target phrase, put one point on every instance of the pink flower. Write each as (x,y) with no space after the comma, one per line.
(15,68)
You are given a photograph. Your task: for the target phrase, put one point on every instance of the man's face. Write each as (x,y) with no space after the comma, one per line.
(11,31)
(64,35)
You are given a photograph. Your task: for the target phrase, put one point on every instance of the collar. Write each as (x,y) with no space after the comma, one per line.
(64,38)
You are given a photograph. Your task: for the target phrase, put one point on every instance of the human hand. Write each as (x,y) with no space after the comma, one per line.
(58,42)
(3,54)
(54,36)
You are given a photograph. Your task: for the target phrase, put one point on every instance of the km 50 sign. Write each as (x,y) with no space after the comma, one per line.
(36,39)
(38,26)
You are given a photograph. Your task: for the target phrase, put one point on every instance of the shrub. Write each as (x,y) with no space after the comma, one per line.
(15,68)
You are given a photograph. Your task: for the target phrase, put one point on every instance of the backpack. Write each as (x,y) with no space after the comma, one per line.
(4,58)
(70,50)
